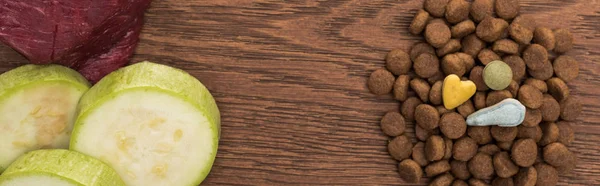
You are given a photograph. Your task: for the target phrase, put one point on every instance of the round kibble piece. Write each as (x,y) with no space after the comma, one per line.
(479,100)
(437,34)
(550,133)
(436,8)
(505,134)
(463,29)
(427,116)
(489,149)
(434,148)
(466,109)
(481,134)
(505,145)
(421,87)
(448,143)
(546,175)
(419,22)
(457,11)
(400,148)
(467,60)
(569,165)
(539,84)
(545,37)
(534,132)
(520,33)
(464,149)
(498,181)
(443,110)
(543,73)
(507,9)
(558,89)
(481,9)
(535,56)
(513,87)
(497,75)
(459,183)
(566,68)
(420,48)
(423,134)
(526,177)
(426,65)
(533,117)
(452,46)
(497,96)
(491,29)
(476,76)
(437,168)
(471,45)
(438,76)
(460,169)
(408,108)
(398,62)
(418,154)
(530,96)
(505,46)
(504,166)
(570,108)
(381,82)
(477,182)
(401,87)
(435,94)
(550,108)
(410,171)
(452,64)
(524,152)
(453,125)
(393,124)
(555,154)
(443,180)
(527,21)
(486,56)
(566,135)
(481,166)
(564,40)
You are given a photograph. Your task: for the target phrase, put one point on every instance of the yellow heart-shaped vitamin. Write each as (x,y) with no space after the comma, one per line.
(455,92)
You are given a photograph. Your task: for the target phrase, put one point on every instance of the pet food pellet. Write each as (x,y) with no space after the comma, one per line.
(437,33)
(443,110)
(401,87)
(539,84)
(381,82)
(481,166)
(491,29)
(426,65)
(459,182)
(544,73)
(558,89)
(457,11)
(481,9)
(459,169)
(400,148)
(438,76)
(423,134)
(530,96)
(427,116)
(550,133)
(570,108)
(535,56)
(443,180)
(453,125)
(481,134)
(410,171)
(566,135)
(546,175)
(497,96)
(418,154)
(504,133)
(437,168)
(464,149)
(524,152)
(448,143)
(550,108)
(408,108)
(421,87)
(507,9)
(452,64)
(477,182)
(486,56)
(566,68)
(533,117)
(466,109)
(436,8)
(505,145)
(420,48)
(463,29)
(398,62)
(497,75)
(504,166)
(545,37)
(526,177)
(534,132)
(517,65)
(471,45)
(506,46)
(555,154)
(490,149)
(467,60)
(498,181)
(564,40)
(520,33)
(452,46)
(476,76)
(393,124)
(513,87)
(527,21)
(418,23)
(479,100)
(435,94)
(434,148)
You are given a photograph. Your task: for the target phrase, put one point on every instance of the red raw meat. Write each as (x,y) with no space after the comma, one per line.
(95,37)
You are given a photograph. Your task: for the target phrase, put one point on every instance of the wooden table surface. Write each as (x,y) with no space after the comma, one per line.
(290,80)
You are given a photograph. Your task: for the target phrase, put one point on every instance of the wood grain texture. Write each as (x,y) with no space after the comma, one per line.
(290,80)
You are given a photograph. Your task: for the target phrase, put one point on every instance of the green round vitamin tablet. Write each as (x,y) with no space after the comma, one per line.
(497,75)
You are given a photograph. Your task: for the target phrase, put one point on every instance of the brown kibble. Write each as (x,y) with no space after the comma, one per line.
(534,132)
(479,100)
(418,23)
(410,171)
(535,56)
(539,84)
(452,64)
(398,62)
(442,110)
(526,177)
(420,48)
(520,33)
(423,134)
(427,116)
(558,89)
(418,154)
(544,73)
(517,65)
(504,166)
(570,108)
(533,117)
(489,149)
(507,9)
(459,169)
(506,46)
(526,20)
(438,76)
(421,87)
(505,145)
(481,166)
(464,149)
(550,133)
(443,180)
(513,88)
(566,68)
(570,164)
(481,134)
(457,11)
(434,148)
(491,29)
(498,181)
(436,8)
(426,65)
(481,9)
(477,182)
(463,29)
(530,96)
(448,143)
(504,134)
(555,154)
(566,135)
(486,56)
(466,108)
(524,152)
(546,175)
(437,168)
(435,94)
(564,40)
(467,60)
(550,108)
(459,183)
(496,96)
(401,87)
(452,46)
(476,76)
(408,108)
(393,124)
(437,33)
(545,37)
(381,82)
(400,148)
(453,125)
(471,45)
